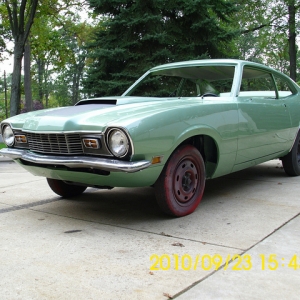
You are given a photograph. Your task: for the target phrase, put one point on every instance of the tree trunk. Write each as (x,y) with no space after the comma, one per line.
(292,39)
(78,70)
(15,97)
(27,77)
(74,86)
(20,17)
(41,67)
(47,99)
(5,95)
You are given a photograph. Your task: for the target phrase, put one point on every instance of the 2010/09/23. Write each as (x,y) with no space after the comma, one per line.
(209,262)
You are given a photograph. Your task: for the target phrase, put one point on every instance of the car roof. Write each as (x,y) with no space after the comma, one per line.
(218,62)
(202,62)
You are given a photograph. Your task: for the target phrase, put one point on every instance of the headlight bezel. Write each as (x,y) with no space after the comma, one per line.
(123,135)
(6,136)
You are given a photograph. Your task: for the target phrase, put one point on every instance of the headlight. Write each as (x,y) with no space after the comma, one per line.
(118,142)
(8,136)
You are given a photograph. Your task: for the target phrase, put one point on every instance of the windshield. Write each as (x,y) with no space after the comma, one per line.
(186,82)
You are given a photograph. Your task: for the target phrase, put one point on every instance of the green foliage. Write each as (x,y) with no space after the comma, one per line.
(3,109)
(5,32)
(264,32)
(59,57)
(137,35)
(57,39)
(132,36)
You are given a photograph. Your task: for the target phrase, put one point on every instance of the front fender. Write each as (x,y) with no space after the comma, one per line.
(196,131)
(162,132)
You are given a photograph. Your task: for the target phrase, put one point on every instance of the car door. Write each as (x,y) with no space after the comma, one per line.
(264,120)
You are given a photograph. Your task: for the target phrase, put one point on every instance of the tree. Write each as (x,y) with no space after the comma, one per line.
(292,36)
(49,54)
(268,32)
(18,16)
(137,35)
(4,81)
(58,56)
(27,77)
(67,86)
(21,15)
(5,33)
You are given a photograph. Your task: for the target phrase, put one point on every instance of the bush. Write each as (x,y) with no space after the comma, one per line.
(2,112)
(36,105)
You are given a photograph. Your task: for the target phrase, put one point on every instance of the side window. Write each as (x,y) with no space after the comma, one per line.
(157,86)
(283,87)
(188,89)
(221,87)
(257,83)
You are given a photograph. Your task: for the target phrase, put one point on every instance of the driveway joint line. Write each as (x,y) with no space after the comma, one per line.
(26,206)
(30,206)
(19,184)
(127,228)
(231,261)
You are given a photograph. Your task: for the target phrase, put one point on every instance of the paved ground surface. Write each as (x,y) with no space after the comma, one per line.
(99,245)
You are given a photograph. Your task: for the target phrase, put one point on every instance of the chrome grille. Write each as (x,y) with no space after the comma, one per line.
(55,143)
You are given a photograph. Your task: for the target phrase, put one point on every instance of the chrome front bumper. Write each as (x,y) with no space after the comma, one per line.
(111,165)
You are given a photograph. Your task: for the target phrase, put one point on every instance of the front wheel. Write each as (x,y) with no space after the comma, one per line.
(291,162)
(180,186)
(65,190)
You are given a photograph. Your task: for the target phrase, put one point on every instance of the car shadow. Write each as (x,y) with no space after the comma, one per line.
(130,205)
(254,176)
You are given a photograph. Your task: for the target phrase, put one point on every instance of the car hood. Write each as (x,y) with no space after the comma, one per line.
(96,114)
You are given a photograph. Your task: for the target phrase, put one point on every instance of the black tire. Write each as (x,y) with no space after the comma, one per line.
(291,162)
(65,190)
(180,186)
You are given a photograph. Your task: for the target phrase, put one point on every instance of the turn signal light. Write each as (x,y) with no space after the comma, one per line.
(21,138)
(91,143)
(156,160)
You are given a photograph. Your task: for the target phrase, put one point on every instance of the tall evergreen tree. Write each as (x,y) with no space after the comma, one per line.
(137,35)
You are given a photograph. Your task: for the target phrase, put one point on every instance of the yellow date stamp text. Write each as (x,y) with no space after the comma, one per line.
(235,262)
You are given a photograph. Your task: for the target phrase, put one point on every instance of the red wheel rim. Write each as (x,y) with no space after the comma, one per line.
(185,181)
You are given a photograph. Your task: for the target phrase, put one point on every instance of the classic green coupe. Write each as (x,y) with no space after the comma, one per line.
(175,127)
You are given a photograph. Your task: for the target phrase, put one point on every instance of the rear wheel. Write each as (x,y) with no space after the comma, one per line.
(291,162)
(65,190)
(180,186)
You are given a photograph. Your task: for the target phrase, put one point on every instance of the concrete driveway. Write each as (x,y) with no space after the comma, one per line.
(99,245)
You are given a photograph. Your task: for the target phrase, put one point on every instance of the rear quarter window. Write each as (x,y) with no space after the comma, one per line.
(283,87)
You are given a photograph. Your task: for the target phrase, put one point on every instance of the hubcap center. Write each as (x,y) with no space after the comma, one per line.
(186,181)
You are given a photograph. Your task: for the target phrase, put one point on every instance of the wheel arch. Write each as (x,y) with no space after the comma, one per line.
(207,142)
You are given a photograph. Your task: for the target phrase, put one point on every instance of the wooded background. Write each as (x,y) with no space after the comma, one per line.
(66,50)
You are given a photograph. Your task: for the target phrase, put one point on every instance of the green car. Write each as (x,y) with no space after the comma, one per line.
(175,127)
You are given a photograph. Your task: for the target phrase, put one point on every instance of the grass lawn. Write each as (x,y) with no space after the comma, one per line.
(2,145)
